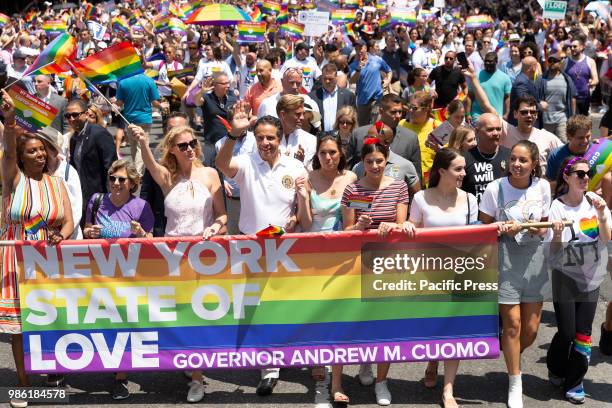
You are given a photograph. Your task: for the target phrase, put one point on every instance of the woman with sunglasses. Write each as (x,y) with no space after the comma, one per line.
(35,208)
(521,197)
(346,122)
(386,209)
(579,258)
(193,197)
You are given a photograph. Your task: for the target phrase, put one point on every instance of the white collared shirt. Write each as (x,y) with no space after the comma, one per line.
(267,195)
(289,145)
(330,103)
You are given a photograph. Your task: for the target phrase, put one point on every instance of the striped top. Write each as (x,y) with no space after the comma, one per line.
(384,201)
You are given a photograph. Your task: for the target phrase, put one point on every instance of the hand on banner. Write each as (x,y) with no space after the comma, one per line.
(409,229)
(55,237)
(92,231)
(363,222)
(557,227)
(211,231)
(536,231)
(137,229)
(511,228)
(384,228)
(139,134)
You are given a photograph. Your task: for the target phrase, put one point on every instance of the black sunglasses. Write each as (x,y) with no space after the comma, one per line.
(113,179)
(72,115)
(193,143)
(582,174)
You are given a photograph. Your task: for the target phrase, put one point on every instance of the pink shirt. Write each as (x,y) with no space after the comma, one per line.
(256,93)
(546,141)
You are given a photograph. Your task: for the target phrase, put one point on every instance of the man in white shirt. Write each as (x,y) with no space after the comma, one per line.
(84,44)
(295,142)
(308,65)
(426,56)
(292,84)
(473,56)
(266,179)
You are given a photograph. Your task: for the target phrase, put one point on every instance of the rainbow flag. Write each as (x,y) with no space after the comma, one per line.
(293,30)
(34,224)
(4,19)
(177,26)
(307,299)
(52,59)
(426,15)
(116,62)
(270,7)
(54,27)
(479,21)
(256,15)
(89,8)
(599,157)
(119,24)
(439,114)
(384,22)
(30,16)
(283,16)
(294,6)
(348,30)
(270,232)
(351,4)
(403,16)
(31,113)
(341,17)
(251,32)
(289,53)
(161,23)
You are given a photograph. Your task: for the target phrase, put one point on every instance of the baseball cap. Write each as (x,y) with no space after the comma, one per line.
(514,37)
(316,116)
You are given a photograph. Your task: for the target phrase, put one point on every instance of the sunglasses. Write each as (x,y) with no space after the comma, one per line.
(193,143)
(526,112)
(581,174)
(414,108)
(73,115)
(346,122)
(114,179)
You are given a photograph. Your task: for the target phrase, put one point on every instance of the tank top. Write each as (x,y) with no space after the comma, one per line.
(580,73)
(326,215)
(188,208)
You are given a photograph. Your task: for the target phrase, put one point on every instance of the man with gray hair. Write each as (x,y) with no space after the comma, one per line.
(215,103)
(292,85)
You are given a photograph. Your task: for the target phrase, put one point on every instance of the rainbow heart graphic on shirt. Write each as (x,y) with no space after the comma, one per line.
(590,227)
(306,71)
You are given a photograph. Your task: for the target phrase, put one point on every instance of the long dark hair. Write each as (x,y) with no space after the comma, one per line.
(562,187)
(374,147)
(442,160)
(334,137)
(534,155)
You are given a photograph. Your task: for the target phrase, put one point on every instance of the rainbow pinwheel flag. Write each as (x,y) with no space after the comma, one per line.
(599,157)
(52,59)
(292,30)
(271,232)
(479,21)
(251,32)
(341,17)
(270,7)
(116,62)
(403,16)
(31,113)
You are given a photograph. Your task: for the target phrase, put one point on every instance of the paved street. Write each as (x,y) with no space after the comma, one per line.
(479,383)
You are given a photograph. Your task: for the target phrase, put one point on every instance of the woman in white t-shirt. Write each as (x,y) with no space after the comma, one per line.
(521,197)
(579,259)
(444,204)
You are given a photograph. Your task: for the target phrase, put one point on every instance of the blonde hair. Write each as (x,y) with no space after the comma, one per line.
(346,111)
(458,136)
(168,160)
(130,169)
(289,103)
(99,115)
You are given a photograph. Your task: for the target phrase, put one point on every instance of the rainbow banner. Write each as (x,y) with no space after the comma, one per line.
(251,32)
(270,7)
(116,62)
(52,60)
(293,30)
(341,17)
(54,27)
(599,157)
(403,16)
(31,113)
(246,302)
(479,21)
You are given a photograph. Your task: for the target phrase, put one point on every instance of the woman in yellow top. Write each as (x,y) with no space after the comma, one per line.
(422,124)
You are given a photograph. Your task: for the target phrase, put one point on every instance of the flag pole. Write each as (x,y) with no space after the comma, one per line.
(112,105)
(27,75)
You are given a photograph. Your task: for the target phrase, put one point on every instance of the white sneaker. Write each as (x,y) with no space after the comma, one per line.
(383,396)
(18,403)
(515,391)
(196,391)
(366,377)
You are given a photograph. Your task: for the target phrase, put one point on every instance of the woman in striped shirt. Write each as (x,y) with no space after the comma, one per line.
(376,202)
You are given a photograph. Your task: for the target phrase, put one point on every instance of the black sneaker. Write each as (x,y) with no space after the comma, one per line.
(120,390)
(55,380)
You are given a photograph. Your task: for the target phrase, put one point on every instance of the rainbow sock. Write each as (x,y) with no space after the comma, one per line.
(582,345)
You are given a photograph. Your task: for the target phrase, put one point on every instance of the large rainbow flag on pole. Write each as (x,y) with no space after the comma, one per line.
(246,302)
(111,64)
(599,157)
(52,60)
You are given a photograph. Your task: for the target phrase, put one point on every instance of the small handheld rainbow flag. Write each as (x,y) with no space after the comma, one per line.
(599,157)
(225,123)
(256,15)
(30,16)
(427,15)
(341,17)
(4,19)
(270,7)
(479,21)
(88,11)
(54,27)
(270,232)
(439,114)
(283,15)
(34,224)
(177,26)
(31,113)
(119,24)
(384,22)
(403,16)
(116,62)
(161,23)
(348,30)
(251,32)
(57,51)
(293,30)
(351,4)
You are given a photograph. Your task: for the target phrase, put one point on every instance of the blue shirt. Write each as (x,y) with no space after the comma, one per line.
(137,93)
(555,158)
(369,85)
(496,85)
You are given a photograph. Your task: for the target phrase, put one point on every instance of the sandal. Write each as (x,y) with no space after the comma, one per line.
(340,398)
(318,373)
(431,377)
